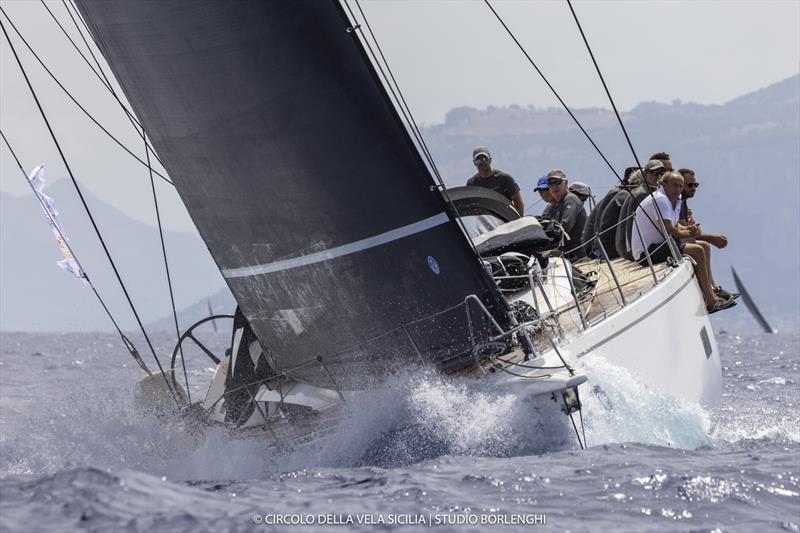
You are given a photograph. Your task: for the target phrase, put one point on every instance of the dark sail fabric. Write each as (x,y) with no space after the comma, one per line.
(301,179)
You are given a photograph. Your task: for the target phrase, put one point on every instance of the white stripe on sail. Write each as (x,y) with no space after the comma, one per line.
(339,251)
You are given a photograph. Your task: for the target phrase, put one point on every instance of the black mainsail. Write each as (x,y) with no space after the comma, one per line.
(302,180)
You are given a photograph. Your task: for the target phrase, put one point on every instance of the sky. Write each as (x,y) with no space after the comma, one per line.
(445,54)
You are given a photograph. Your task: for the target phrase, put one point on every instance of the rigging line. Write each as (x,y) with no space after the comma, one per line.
(357,26)
(101,75)
(128,344)
(399,92)
(166,268)
(410,120)
(99,72)
(86,206)
(72,42)
(662,228)
(552,89)
(605,87)
(96,62)
(128,113)
(35,55)
(81,18)
(566,107)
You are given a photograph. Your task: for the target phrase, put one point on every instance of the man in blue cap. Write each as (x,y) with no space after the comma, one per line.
(544,191)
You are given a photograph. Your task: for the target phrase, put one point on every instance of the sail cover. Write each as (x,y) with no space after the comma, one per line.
(301,179)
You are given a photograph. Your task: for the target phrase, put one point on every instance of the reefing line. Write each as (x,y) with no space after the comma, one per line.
(339,251)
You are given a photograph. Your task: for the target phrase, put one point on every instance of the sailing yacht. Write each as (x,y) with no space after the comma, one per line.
(348,258)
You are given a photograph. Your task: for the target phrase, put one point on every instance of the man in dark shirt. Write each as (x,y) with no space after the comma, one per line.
(568,211)
(653,171)
(495,180)
(609,218)
(595,218)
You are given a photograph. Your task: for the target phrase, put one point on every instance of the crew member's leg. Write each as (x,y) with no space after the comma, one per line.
(707,248)
(696,252)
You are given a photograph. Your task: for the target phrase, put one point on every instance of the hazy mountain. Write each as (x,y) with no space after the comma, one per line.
(746,154)
(38,296)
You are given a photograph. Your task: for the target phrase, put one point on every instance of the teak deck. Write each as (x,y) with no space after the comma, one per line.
(603,300)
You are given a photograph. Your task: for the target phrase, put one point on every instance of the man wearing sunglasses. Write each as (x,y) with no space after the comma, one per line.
(651,243)
(495,179)
(568,211)
(653,171)
(690,186)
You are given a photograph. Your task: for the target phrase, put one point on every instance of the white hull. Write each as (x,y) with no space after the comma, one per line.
(658,336)
(663,336)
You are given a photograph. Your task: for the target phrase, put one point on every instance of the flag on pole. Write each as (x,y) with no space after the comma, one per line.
(37,182)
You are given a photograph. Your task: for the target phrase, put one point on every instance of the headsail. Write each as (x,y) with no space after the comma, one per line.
(301,178)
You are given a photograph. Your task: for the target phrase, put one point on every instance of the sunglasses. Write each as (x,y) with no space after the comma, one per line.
(659,171)
(554,183)
(480,159)
(694,185)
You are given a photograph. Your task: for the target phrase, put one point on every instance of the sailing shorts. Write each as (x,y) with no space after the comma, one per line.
(660,252)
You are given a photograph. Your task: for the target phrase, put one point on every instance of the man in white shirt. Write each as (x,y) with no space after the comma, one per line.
(665,204)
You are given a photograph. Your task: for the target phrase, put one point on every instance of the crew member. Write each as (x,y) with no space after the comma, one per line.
(593,219)
(581,190)
(653,171)
(609,218)
(495,180)
(568,211)
(690,186)
(545,194)
(665,204)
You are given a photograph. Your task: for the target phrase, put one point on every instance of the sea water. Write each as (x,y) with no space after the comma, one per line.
(419,453)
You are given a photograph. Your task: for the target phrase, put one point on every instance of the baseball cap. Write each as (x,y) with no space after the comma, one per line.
(481,150)
(635,178)
(557,174)
(653,164)
(580,188)
(541,185)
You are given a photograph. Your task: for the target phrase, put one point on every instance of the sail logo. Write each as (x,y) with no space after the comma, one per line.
(433,265)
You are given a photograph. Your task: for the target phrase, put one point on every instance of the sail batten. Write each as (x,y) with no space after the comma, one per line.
(300,177)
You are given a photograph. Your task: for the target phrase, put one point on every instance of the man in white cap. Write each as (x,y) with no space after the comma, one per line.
(495,180)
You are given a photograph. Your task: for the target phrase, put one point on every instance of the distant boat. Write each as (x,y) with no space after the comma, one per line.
(751,305)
